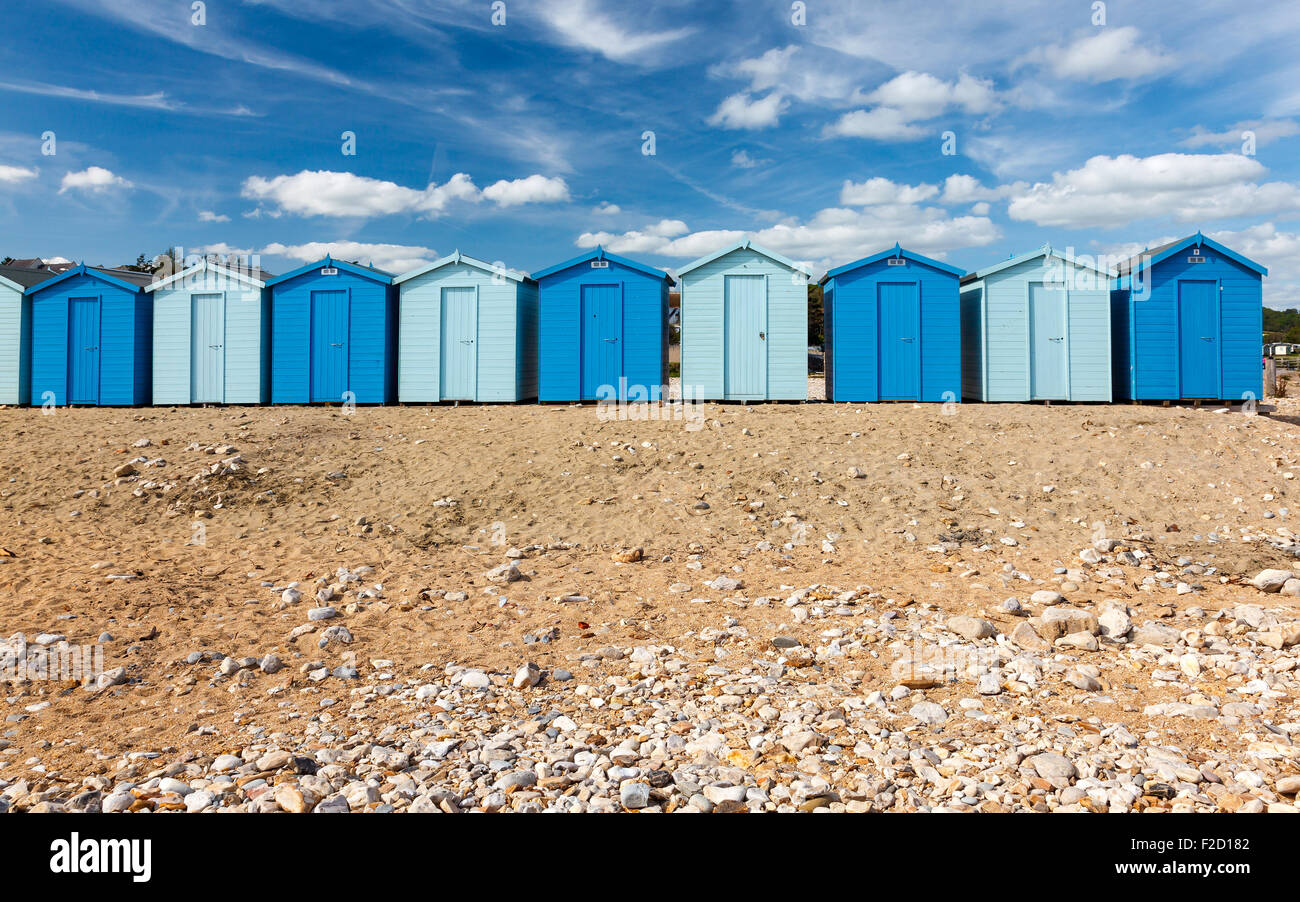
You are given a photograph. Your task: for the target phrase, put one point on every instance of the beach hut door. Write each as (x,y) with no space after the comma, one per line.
(329,345)
(602,340)
(1199,336)
(459,344)
(746,337)
(1049,379)
(208,349)
(83,351)
(900,341)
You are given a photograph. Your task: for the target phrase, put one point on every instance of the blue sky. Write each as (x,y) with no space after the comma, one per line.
(821,135)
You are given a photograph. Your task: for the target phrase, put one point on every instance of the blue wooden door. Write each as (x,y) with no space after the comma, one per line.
(83,351)
(1198,339)
(208,349)
(329,345)
(459,344)
(900,340)
(602,339)
(745,334)
(1048,352)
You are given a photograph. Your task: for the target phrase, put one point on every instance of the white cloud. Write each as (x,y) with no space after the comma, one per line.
(884,191)
(880,124)
(913,97)
(605,208)
(395,258)
(1110,54)
(742,160)
(223,250)
(833,235)
(343,194)
(95,179)
(923,96)
(209,216)
(742,111)
(535,189)
(1266,131)
(959,188)
(326,193)
(647,240)
(1113,191)
(789,71)
(14,174)
(580,24)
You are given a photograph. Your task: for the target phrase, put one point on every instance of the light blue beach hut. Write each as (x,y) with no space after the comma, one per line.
(892,329)
(16,331)
(603,329)
(1188,323)
(1037,328)
(211,336)
(745,326)
(468,332)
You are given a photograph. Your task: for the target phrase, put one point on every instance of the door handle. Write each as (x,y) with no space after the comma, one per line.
(1207,338)
(610,339)
(336,344)
(905,339)
(1062,338)
(467,341)
(762,336)
(91,348)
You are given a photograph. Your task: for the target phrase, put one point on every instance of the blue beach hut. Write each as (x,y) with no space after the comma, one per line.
(468,332)
(1188,323)
(1037,328)
(745,326)
(892,329)
(92,332)
(333,334)
(16,331)
(211,336)
(603,329)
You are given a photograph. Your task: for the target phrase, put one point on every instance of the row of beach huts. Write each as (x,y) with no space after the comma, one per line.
(1181,321)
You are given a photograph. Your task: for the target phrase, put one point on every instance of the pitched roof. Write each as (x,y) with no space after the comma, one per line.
(458,257)
(744,244)
(368,272)
(601,254)
(895,251)
(256,280)
(21,278)
(1152,256)
(1045,251)
(121,278)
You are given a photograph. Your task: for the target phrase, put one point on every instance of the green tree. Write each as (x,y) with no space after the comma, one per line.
(816,315)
